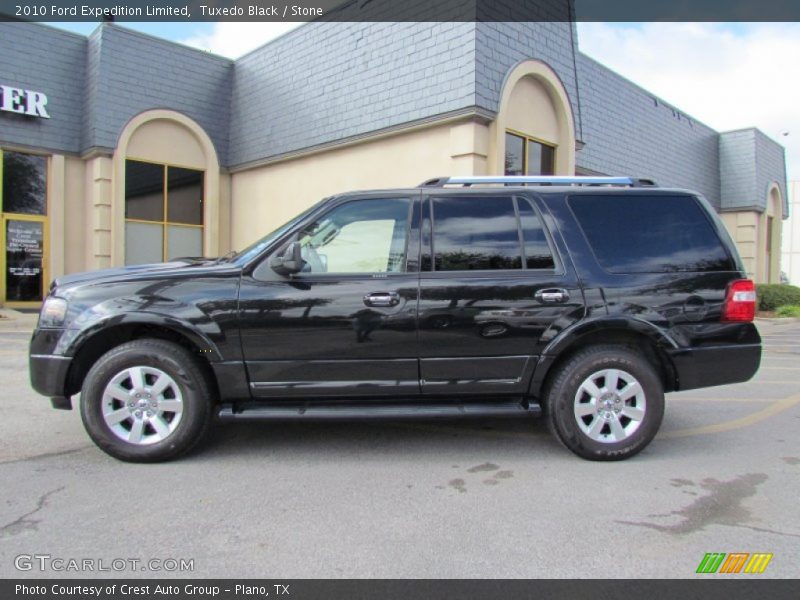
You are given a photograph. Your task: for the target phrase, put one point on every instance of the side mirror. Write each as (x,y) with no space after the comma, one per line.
(289,261)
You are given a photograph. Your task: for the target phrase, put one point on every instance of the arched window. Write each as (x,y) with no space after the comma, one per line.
(163,212)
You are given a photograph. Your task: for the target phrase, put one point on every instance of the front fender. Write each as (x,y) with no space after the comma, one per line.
(75,337)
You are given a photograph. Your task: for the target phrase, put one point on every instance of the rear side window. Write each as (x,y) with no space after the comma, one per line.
(485,233)
(650,234)
(475,233)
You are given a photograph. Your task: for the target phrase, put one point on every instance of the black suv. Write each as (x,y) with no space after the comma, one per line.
(584,299)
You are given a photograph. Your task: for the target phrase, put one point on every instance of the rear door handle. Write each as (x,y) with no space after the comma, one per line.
(552,295)
(382,299)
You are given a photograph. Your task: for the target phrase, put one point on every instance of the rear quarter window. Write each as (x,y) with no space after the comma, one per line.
(650,234)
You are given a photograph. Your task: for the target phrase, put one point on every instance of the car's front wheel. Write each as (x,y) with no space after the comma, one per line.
(605,403)
(146,401)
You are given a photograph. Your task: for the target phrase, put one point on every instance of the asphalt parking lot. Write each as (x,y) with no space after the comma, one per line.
(438,500)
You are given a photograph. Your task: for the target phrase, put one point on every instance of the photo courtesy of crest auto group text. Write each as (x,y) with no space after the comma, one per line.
(377,300)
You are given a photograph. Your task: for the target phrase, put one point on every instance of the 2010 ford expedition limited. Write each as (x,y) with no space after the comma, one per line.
(582,299)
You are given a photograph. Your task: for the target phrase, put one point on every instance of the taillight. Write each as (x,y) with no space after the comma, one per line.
(740,301)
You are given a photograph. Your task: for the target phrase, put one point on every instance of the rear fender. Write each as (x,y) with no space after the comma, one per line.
(614,326)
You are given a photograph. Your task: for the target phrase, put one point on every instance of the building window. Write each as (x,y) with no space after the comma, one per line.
(527,156)
(163,212)
(24,183)
(23,226)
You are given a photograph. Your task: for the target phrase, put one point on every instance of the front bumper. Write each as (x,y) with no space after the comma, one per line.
(49,377)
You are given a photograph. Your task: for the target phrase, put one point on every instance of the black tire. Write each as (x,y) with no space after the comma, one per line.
(560,404)
(187,375)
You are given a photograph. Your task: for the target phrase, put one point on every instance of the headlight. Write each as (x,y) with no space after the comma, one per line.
(54,312)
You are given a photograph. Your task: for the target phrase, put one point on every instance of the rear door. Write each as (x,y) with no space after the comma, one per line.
(346,324)
(495,285)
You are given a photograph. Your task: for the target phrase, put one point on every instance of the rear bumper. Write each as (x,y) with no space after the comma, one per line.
(49,377)
(717,365)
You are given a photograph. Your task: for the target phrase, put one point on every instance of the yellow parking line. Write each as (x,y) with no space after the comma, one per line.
(765,413)
(699,399)
(768,382)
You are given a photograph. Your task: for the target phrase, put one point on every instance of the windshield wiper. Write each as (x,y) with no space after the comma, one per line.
(224,258)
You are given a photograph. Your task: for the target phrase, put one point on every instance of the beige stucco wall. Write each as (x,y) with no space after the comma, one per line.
(749,230)
(75,239)
(265,197)
(772,269)
(168,142)
(56,191)
(531,111)
(744,229)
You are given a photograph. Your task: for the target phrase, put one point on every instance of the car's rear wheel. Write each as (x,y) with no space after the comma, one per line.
(147,400)
(605,403)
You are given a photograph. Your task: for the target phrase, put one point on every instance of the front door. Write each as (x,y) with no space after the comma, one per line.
(346,324)
(493,289)
(23,229)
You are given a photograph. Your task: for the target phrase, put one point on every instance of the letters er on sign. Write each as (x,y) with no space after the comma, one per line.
(23,102)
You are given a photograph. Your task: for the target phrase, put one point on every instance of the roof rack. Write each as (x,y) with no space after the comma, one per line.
(538,180)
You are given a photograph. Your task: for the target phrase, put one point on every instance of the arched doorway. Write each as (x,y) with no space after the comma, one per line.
(165,201)
(772,228)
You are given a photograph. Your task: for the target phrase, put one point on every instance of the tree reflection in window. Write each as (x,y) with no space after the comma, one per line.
(475,233)
(24,183)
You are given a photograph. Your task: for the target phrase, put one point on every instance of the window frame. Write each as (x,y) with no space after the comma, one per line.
(428,244)
(165,223)
(525,154)
(263,272)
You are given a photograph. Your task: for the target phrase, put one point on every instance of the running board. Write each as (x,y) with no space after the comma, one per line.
(356,412)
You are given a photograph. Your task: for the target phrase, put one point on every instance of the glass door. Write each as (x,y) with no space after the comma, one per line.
(23,229)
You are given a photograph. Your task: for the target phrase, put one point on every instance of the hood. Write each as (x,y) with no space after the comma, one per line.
(133,271)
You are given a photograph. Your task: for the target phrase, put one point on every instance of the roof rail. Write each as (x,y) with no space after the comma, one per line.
(538,180)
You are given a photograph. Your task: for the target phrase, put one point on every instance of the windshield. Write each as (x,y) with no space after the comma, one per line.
(257,247)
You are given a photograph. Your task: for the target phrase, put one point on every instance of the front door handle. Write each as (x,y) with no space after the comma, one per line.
(382,299)
(552,295)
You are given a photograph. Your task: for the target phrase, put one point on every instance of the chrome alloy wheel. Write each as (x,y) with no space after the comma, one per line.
(142,405)
(610,406)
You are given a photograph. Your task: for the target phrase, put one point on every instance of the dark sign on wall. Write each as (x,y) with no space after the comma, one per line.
(24,254)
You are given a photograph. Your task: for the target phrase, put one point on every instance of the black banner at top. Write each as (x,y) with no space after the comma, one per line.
(395,589)
(400,10)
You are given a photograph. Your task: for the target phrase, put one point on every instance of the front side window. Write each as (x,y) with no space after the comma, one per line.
(527,156)
(363,236)
(650,234)
(483,233)
(163,212)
